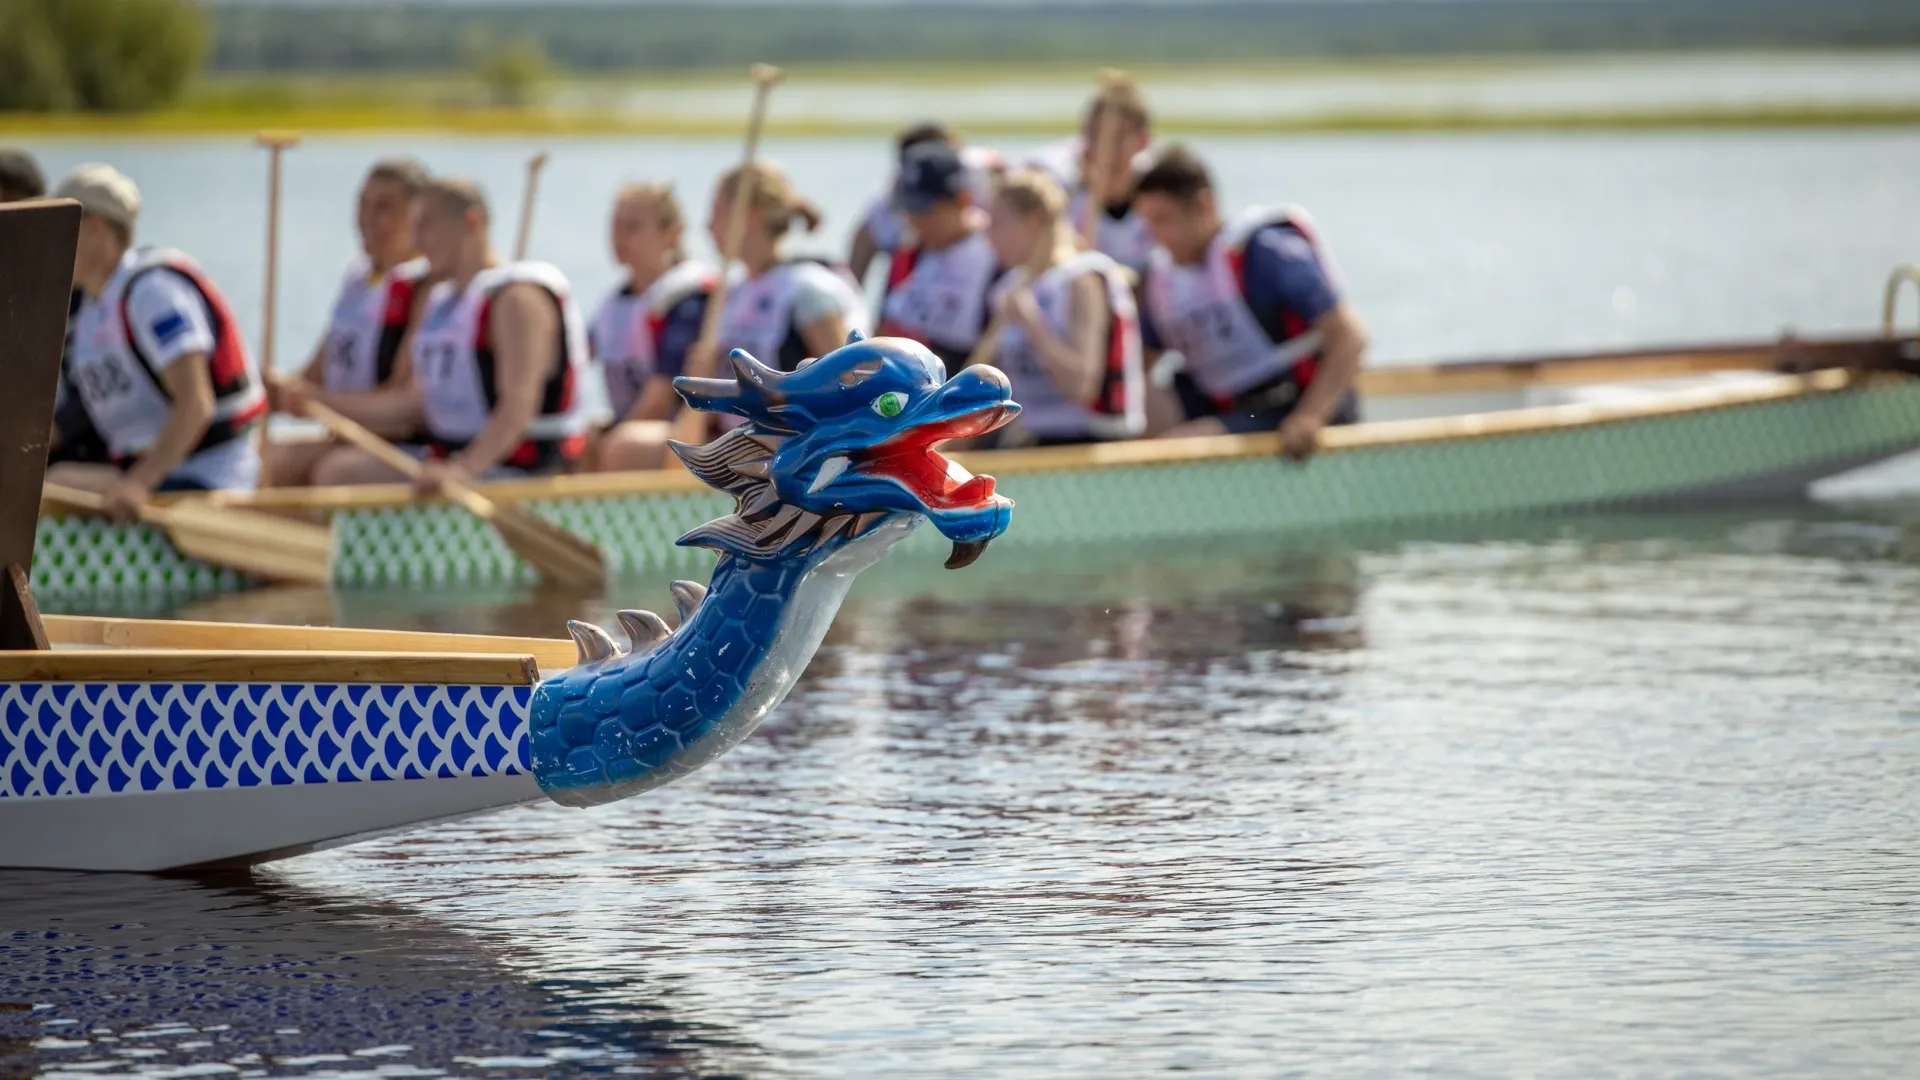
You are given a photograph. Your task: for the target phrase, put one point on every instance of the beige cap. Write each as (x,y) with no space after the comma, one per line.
(103,190)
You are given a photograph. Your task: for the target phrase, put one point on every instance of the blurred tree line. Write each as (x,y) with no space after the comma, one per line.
(97,54)
(683,34)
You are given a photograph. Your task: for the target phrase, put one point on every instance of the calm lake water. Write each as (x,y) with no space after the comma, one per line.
(1600,796)
(1612,796)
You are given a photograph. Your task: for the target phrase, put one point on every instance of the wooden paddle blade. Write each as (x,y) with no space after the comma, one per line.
(561,557)
(263,545)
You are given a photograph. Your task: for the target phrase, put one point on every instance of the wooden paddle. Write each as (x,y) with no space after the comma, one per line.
(276,143)
(263,545)
(691,425)
(1105,136)
(561,557)
(534,165)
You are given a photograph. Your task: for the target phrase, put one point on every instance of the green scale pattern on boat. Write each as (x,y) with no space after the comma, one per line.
(1463,478)
(80,560)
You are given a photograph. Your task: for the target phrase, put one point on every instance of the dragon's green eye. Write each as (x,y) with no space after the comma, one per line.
(890,403)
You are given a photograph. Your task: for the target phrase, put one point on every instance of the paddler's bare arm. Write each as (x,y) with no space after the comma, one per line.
(391,411)
(189,382)
(525,330)
(1072,362)
(823,335)
(1344,343)
(657,400)
(861,257)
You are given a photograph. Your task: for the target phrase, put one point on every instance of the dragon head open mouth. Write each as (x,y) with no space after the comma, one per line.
(846,439)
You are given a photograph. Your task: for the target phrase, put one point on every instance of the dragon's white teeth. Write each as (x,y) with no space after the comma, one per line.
(956,473)
(829,469)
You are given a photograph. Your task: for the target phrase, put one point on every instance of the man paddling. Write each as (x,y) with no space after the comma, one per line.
(884,226)
(372,314)
(1254,307)
(937,285)
(156,359)
(497,360)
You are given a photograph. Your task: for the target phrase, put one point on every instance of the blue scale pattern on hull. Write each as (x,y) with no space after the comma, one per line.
(614,728)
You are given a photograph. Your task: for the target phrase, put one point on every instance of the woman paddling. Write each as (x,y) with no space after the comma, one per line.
(785,309)
(1070,337)
(643,330)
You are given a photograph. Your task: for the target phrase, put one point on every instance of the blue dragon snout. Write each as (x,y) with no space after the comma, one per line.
(836,462)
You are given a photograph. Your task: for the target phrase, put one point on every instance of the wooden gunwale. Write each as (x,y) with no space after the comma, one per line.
(552,654)
(1146,452)
(229,666)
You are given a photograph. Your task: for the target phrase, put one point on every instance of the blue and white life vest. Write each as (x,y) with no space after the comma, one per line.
(624,337)
(1201,311)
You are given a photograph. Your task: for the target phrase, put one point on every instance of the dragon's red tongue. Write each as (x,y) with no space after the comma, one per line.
(936,479)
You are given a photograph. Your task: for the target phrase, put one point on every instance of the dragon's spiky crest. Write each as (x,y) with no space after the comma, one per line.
(761,526)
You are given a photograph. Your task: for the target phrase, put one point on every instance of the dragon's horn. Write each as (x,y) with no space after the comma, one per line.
(753,373)
(710,395)
(855,336)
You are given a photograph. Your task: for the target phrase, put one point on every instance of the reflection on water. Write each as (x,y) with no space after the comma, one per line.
(111,975)
(1618,794)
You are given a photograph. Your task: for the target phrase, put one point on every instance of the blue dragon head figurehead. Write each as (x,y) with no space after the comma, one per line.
(836,461)
(851,434)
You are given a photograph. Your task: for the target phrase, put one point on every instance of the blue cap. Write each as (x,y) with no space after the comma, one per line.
(930,173)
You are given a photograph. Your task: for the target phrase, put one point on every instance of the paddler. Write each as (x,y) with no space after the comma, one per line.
(1070,338)
(157,360)
(642,331)
(884,226)
(497,360)
(937,283)
(784,310)
(363,346)
(1254,308)
(1107,167)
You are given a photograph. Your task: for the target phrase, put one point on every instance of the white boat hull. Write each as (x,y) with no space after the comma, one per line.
(171,830)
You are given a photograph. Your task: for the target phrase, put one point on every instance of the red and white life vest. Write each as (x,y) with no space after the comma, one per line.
(1118,407)
(453,366)
(759,315)
(1201,311)
(939,298)
(369,318)
(625,333)
(122,389)
(887,227)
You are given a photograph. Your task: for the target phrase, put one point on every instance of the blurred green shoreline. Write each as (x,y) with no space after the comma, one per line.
(521,122)
(586,104)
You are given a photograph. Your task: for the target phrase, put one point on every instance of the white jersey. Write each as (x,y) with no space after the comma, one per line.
(369,317)
(624,336)
(1126,238)
(887,227)
(453,359)
(1118,407)
(158,307)
(1201,312)
(939,298)
(760,315)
